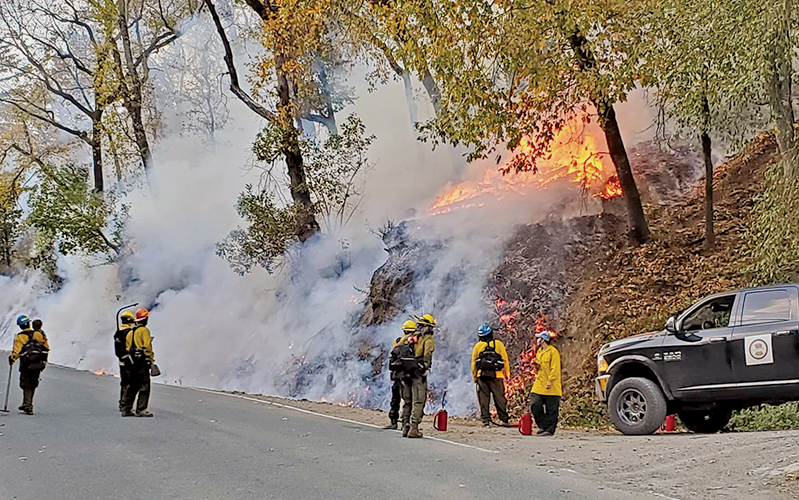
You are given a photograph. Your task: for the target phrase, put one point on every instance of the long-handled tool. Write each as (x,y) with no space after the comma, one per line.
(122,309)
(8,388)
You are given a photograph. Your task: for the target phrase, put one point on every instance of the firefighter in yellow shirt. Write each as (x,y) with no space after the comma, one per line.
(140,346)
(408,329)
(547,389)
(490,368)
(31,349)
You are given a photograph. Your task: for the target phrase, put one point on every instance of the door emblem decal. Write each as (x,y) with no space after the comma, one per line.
(758,350)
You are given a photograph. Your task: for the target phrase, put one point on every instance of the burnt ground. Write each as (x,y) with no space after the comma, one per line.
(581,277)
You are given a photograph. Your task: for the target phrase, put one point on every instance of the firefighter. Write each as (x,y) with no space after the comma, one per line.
(128,321)
(408,329)
(490,368)
(140,346)
(31,348)
(547,389)
(414,391)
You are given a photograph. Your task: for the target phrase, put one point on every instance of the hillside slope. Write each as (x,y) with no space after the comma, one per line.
(637,288)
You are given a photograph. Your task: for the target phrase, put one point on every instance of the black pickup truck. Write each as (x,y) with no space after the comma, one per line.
(726,352)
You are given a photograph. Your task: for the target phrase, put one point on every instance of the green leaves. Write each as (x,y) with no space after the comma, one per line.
(67,214)
(334,171)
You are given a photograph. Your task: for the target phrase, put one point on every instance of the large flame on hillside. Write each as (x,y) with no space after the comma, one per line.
(577,153)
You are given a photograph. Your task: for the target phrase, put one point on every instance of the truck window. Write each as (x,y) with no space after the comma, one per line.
(766,307)
(711,314)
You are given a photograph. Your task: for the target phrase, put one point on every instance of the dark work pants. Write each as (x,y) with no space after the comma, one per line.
(28,382)
(123,381)
(487,387)
(396,398)
(545,411)
(138,385)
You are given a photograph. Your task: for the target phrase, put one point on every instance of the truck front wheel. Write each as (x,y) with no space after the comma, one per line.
(637,406)
(706,421)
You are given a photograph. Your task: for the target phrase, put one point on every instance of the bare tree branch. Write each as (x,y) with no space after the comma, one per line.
(234,78)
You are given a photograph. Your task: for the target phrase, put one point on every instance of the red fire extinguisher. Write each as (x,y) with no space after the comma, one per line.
(526,424)
(440,418)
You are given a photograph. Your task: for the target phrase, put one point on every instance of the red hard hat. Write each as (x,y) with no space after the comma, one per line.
(142,314)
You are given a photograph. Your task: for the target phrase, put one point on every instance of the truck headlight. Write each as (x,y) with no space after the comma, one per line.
(601,364)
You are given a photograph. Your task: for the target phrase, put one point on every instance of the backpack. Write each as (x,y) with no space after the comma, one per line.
(489,362)
(403,362)
(33,356)
(120,339)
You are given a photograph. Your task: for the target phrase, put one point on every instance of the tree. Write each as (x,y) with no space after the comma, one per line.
(335,168)
(693,56)
(66,214)
(57,71)
(293,34)
(508,70)
(155,25)
(10,214)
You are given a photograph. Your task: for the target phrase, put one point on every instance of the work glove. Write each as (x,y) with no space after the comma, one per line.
(10,361)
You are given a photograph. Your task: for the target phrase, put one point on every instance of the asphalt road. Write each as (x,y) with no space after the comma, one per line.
(203,445)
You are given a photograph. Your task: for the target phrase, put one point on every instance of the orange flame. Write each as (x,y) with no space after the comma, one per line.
(612,189)
(571,155)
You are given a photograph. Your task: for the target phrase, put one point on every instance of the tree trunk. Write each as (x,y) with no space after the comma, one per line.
(97,149)
(710,236)
(433,91)
(133,98)
(413,110)
(133,106)
(778,82)
(328,112)
(639,230)
(306,222)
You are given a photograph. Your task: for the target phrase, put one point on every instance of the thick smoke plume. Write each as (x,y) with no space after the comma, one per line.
(294,333)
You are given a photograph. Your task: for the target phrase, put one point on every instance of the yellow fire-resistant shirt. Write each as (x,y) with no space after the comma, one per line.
(143,341)
(22,338)
(499,347)
(548,361)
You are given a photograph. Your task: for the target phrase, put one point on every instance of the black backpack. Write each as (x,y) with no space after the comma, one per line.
(33,356)
(489,362)
(120,340)
(403,362)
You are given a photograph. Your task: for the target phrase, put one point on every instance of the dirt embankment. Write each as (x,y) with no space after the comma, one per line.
(635,289)
(580,276)
(756,465)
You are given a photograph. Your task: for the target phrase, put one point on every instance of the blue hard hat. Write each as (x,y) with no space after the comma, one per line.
(545,336)
(484,330)
(23,320)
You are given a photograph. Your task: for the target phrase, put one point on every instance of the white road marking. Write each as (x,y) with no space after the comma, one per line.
(309,412)
(661,495)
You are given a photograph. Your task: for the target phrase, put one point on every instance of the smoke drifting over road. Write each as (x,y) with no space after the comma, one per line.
(260,332)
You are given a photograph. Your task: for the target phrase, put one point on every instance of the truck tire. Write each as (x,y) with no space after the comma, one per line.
(637,406)
(705,421)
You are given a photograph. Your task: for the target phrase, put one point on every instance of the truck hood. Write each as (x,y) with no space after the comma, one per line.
(629,341)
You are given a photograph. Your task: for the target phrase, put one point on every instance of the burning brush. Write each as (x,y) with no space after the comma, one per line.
(523,373)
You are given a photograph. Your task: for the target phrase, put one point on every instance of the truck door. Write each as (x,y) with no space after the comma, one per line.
(765,345)
(695,360)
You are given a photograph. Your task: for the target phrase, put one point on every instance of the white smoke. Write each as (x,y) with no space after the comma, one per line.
(290,333)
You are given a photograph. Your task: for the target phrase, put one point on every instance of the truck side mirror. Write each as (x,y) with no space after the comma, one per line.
(671,325)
